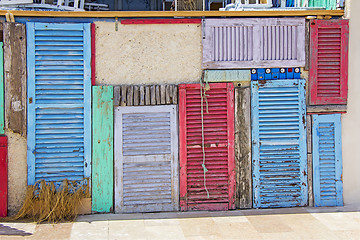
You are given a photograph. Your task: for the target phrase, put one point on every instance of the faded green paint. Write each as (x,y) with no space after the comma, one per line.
(2,117)
(103,149)
(328,4)
(227,75)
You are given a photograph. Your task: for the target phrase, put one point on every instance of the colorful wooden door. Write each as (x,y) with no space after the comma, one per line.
(146,159)
(207,175)
(279,143)
(327,160)
(59,101)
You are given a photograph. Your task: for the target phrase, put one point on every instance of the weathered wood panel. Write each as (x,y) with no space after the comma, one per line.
(308,133)
(326,108)
(15,77)
(103,152)
(2,110)
(310,180)
(243,148)
(307,45)
(140,95)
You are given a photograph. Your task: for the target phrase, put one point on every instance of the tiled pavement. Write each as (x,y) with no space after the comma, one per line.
(288,223)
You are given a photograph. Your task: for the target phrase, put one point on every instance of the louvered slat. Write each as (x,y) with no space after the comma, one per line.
(279,144)
(218,122)
(253,43)
(146,162)
(59,102)
(327,160)
(329,53)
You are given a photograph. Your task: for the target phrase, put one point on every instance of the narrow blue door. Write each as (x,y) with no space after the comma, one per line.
(327,160)
(59,98)
(279,143)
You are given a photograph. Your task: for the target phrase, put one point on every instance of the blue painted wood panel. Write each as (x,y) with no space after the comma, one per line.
(59,101)
(279,143)
(327,160)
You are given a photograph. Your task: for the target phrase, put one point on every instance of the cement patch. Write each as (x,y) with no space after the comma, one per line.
(147,54)
(17,171)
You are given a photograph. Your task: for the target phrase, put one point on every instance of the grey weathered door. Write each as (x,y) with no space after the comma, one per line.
(146,159)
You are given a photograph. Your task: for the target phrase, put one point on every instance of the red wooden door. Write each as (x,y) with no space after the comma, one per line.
(218,146)
(329,61)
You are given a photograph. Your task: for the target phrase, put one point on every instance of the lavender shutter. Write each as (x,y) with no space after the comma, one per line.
(253,43)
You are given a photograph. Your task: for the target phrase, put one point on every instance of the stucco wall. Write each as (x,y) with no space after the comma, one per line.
(147,54)
(351,120)
(17,171)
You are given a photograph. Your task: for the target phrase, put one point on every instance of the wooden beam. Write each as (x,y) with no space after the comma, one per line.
(326,108)
(15,77)
(243,148)
(310,180)
(146,14)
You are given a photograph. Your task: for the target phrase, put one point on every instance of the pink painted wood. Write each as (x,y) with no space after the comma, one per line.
(219,148)
(329,43)
(93,51)
(3,176)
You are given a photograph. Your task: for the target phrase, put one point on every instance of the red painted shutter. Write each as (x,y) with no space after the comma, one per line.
(329,61)
(219,147)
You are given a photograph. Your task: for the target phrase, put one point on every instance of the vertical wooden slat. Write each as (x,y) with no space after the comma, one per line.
(117,90)
(136,96)
(175,94)
(167,94)
(309,133)
(307,45)
(142,95)
(2,112)
(310,180)
(3,176)
(147,95)
(102,154)
(130,95)
(123,95)
(157,94)
(162,94)
(93,54)
(243,148)
(15,77)
(152,95)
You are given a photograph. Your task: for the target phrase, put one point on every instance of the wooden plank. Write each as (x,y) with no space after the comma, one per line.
(326,108)
(157,95)
(117,90)
(309,133)
(171,91)
(15,77)
(123,95)
(307,45)
(130,96)
(243,148)
(175,94)
(161,21)
(167,94)
(122,14)
(2,110)
(310,180)
(102,154)
(162,94)
(152,95)
(93,54)
(136,95)
(147,95)
(142,95)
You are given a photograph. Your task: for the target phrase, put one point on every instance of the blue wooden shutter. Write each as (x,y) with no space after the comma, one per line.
(327,160)
(279,143)
(59,98)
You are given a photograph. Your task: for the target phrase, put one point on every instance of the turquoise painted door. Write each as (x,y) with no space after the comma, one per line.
(279,143)
(59,101)
(327,160)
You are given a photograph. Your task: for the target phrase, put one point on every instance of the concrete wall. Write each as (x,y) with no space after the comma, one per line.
(147,54)
(17,171)
(351,120)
